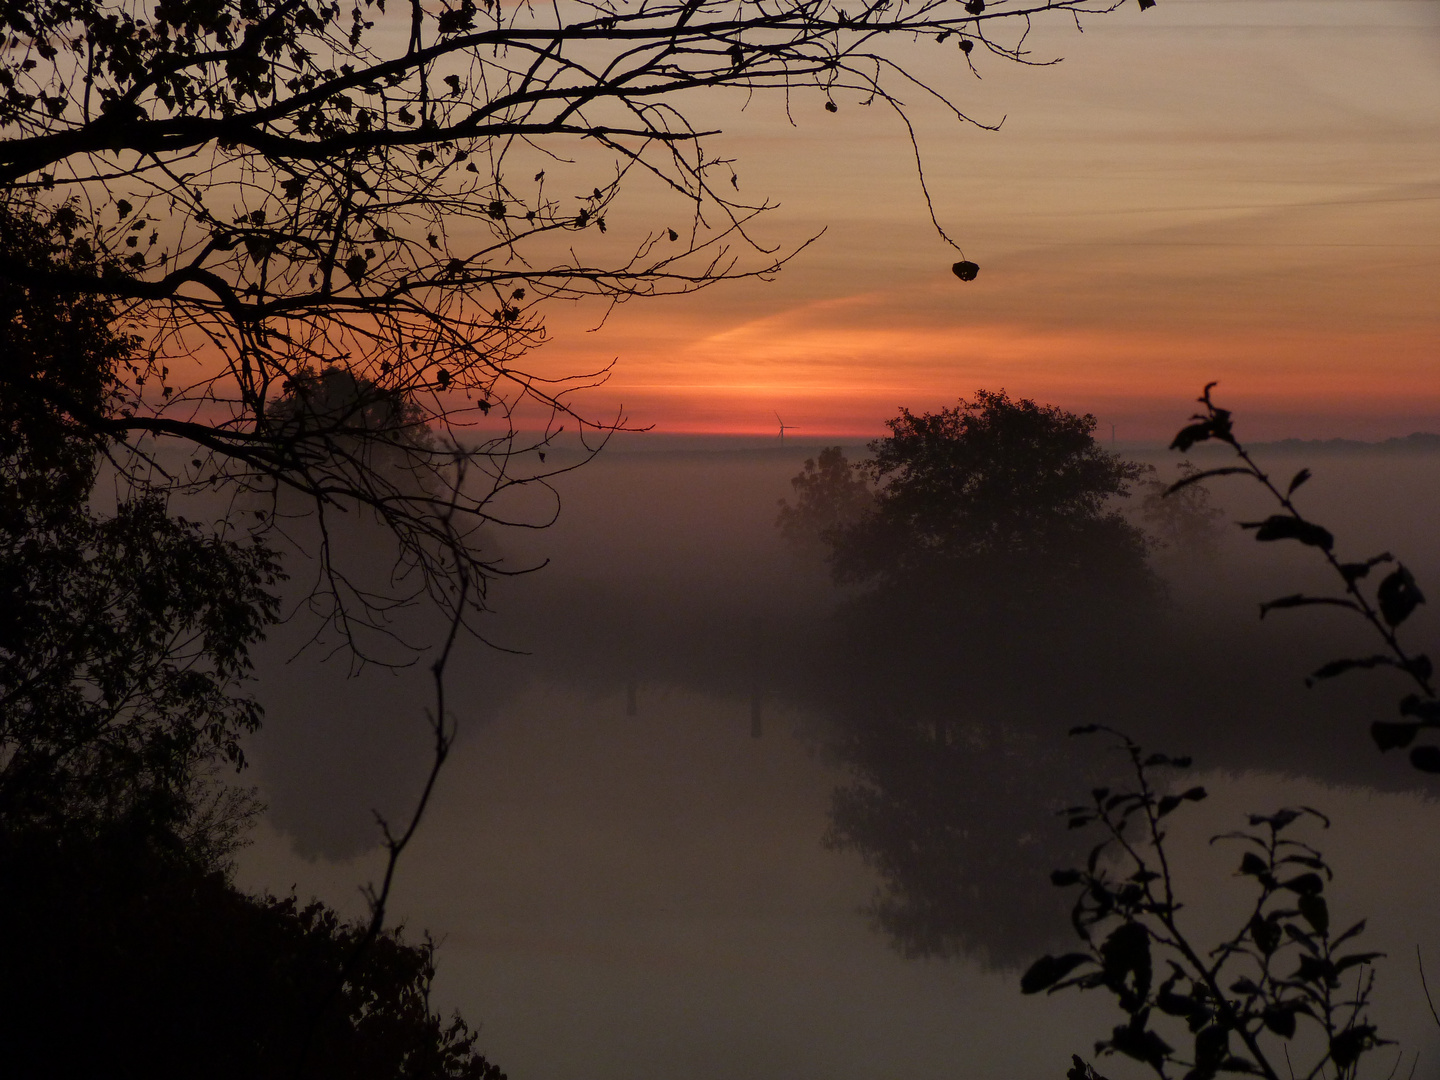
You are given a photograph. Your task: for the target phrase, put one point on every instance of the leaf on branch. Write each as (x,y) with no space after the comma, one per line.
(1215,426)
(1426,758)
(1305,884)
(1080,1069)
(1140,1044)
(1398,596)
(1265,933)
(1049,970)
(1346,1048)
(1357,929)
(1312,906)
(1339,667)
(1354,571)
(1297,600)
(1296,480)
(1280,1020)
(1205,474)
(1125,955)
(1289,527)
(1356,959)
(966,270)
(1393,735)
(1425,709)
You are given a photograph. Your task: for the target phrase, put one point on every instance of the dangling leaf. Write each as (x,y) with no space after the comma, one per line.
(1315,912)
(1393,736)
(1049,970)
(1398,596)
(1426,758)
(1289,527)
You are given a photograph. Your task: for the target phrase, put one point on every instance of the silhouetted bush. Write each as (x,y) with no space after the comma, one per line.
(124,958)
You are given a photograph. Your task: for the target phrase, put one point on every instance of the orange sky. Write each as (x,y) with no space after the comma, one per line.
(1241,190)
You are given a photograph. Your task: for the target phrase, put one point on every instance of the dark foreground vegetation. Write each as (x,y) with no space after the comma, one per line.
(124,647)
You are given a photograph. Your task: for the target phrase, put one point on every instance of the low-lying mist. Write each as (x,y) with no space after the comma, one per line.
(664,579)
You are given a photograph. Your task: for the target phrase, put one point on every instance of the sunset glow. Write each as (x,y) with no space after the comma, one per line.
(1247,193)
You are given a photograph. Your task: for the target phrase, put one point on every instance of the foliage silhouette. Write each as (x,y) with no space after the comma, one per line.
(994,489)
(124,638)
(165,970)
(830,495)
(1393,600)
(1280,973)
(1183,522)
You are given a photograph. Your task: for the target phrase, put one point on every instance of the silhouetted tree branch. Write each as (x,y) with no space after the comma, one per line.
(1394,599)
(280,186)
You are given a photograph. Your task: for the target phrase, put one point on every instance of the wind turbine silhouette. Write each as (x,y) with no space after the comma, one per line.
(784,427)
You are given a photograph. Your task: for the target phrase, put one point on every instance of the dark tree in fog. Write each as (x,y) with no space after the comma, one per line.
(275,187)
(830,494)
(994,486)
(1002,590)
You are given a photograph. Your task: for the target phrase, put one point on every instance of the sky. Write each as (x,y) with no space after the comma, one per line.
(1245,191)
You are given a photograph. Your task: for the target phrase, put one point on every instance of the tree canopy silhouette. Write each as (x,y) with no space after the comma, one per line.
(990,487)
(124,636)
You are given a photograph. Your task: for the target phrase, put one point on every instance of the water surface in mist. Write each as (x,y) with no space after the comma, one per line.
(628,882)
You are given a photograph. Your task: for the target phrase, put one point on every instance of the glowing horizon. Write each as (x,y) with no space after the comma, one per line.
(1149,219)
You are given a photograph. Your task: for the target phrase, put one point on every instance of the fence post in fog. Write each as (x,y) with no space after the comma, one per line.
(756,724)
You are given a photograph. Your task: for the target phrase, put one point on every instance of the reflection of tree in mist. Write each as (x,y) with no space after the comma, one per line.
(948,712)
(1001,580)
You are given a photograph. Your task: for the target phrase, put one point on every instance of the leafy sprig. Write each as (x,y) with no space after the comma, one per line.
(1385,608)
(1221,1009)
